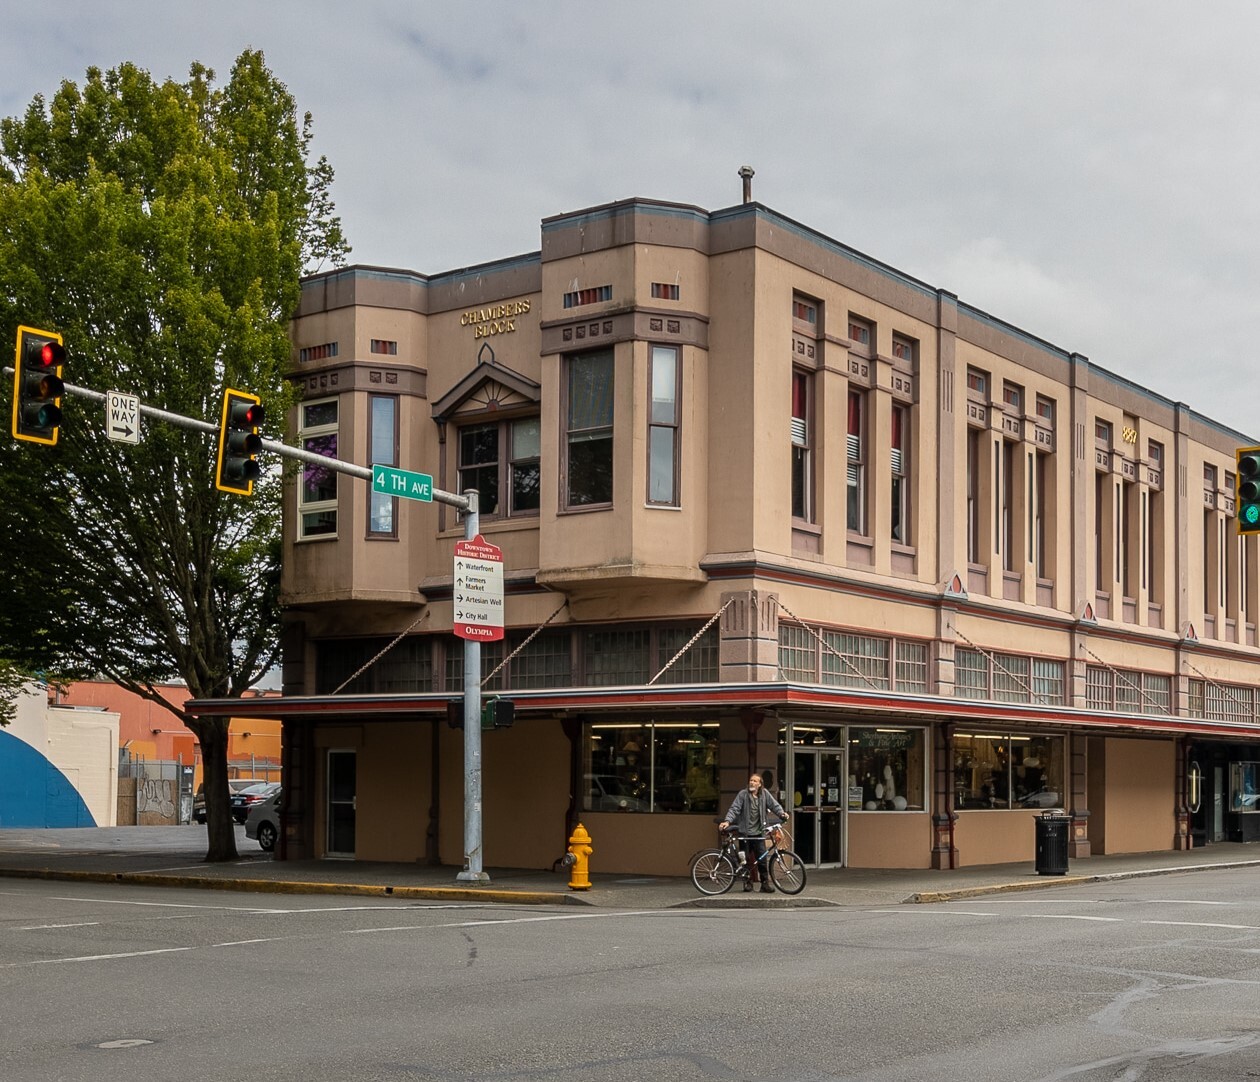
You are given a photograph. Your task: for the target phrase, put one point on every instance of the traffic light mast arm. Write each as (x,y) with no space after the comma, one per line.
(274,446)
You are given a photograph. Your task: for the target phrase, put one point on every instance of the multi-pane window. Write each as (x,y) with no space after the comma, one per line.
(848,660)
(498,459)
(903,348)
(589,431)
(856,660)
(317,493)
(1222,702)
(385,346)
(855,445)
(802,447)
(617,657)
(900,468)
(661,766)
(1013,396)
(698,665)
(1013,678)
(805,311)
(663,435)
(383,451)
(665,291)
(977,382)
(1045,409)
(1008,770)
(860,331)
(406,667)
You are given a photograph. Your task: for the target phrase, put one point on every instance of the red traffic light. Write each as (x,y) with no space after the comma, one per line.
(51,354)
(37,385)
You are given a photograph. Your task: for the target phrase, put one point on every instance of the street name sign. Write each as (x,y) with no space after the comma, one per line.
(122,417)
(478,594)
(395,482)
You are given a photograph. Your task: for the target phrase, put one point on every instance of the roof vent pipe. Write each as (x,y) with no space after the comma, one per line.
(746,172)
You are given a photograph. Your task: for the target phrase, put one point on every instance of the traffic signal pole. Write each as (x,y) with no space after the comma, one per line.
(467,504)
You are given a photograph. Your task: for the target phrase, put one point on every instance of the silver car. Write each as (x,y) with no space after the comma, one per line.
(263,822)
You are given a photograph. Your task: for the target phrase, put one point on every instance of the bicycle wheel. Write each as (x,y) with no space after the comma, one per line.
(787,872)
(712,873)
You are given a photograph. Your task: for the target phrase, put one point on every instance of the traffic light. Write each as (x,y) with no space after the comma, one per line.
(37,386)
(1247,498)
(237,468)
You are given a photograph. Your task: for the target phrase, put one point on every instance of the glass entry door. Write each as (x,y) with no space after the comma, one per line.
(342,783)
(818,793)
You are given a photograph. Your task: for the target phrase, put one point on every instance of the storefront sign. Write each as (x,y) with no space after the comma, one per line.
(887,741)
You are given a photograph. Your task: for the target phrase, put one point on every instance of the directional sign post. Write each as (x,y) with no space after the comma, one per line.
(122,417)
(404,483)
(478,590)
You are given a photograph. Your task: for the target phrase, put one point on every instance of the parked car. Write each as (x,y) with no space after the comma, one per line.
(235,785)
(244,801)
(607,792)
(263,821)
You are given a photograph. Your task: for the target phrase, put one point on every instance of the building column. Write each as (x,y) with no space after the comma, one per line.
(749,644)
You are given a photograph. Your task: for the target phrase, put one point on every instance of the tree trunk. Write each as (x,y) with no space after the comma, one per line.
(212,732)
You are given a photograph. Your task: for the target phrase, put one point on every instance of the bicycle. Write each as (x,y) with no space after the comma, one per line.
(714,871)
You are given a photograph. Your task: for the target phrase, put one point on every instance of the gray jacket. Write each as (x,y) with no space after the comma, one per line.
(740,808)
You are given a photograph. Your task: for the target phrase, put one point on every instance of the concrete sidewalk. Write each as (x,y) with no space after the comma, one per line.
(174,856)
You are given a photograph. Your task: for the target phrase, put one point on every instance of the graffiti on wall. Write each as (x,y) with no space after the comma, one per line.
(155,801)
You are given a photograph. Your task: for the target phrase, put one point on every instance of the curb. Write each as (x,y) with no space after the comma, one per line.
(286,886)
(928,897)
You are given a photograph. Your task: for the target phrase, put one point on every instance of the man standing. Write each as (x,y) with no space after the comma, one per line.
(750,813)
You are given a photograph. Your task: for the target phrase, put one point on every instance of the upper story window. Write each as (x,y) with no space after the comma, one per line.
(1155,452)
(589,429)
(382,345)
(901,474)
(1102,433)
(501,459)
(318,353)
(665,291)
(855,475)
(903,347)
(802,447)
(593,295)
(861,331)
(383,451)
(804,311)
(977,383)
(1013,396)
(317,494)
(663,431)
(1045,409)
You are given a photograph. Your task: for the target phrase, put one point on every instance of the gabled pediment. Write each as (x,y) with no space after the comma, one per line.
(488,388)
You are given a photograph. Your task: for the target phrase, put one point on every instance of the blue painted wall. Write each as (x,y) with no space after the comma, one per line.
(33,792)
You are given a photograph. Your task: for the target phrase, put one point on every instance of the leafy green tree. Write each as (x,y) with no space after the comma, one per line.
(162,228)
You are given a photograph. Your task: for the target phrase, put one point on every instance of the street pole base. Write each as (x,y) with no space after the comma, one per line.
(469,876)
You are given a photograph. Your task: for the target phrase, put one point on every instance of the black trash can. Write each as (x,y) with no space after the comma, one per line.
(1052,843)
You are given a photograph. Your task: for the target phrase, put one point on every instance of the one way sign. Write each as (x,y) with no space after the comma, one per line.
(122,417)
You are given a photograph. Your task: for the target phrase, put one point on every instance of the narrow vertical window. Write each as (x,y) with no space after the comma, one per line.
(524,465)
(1039,515)
(383,451)
(900,475)
(663,427)
(589,433)
(802,450)
(973,495)
(317,495)
(856,476)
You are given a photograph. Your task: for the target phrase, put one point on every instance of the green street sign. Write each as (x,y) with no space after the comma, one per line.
(395,482)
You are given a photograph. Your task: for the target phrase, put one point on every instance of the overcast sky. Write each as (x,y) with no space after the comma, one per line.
(1087,171)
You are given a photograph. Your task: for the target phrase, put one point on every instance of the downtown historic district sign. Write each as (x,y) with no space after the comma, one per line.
(478,593)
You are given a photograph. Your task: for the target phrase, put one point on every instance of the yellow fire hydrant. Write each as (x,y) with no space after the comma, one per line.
(580,850)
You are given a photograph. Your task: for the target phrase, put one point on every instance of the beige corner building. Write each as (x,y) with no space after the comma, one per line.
(764,503)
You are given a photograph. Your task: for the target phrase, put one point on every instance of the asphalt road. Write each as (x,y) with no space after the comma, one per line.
(1146,979)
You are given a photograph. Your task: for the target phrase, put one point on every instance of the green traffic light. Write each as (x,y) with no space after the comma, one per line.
(1251,513)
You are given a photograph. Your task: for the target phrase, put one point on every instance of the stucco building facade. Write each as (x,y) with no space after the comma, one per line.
(764,502)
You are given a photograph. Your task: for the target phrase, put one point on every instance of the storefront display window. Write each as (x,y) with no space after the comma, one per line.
(887,766)
(1008,770)
(1244,787)
(651,767)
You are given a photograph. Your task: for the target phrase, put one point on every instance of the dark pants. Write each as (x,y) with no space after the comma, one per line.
(754,847)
